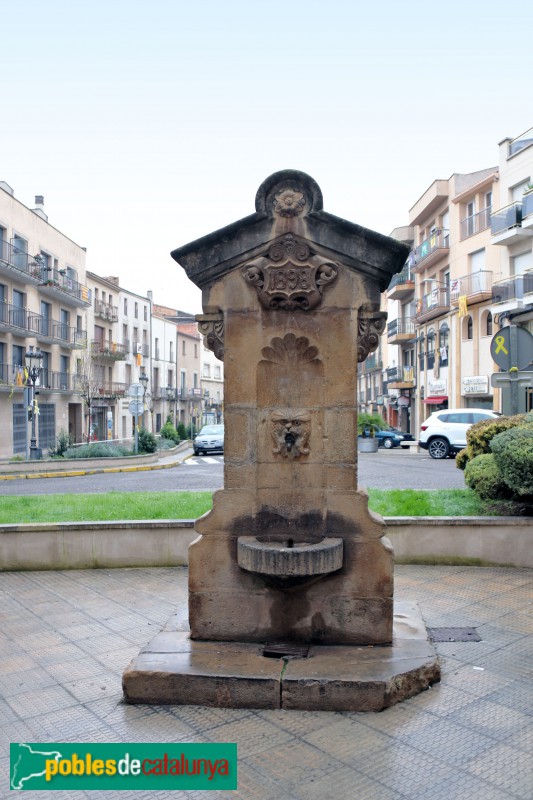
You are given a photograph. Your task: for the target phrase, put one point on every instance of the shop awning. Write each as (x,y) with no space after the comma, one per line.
(436,401)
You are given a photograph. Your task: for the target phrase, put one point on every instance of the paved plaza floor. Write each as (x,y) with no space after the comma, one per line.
(65,638)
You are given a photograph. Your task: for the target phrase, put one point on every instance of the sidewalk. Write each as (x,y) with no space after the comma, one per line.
(59,468)
(67,636)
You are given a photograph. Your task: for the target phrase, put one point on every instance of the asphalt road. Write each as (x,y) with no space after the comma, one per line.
(386,469)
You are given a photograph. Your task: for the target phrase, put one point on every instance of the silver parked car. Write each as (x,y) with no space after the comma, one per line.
(209,440)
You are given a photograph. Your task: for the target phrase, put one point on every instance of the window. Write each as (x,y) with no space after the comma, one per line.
(18,315)
(46,375)
(477,262)
(64,319)
(20,252)
(470,221)
(520,263)
(64,366)
(156,349)
(136,311)
(145,314)
(195,380)
(171,357)
(196,351)
(469,328)
(206,371)
(217,372)
(183,382)
(488,329)
(183,347)
(125,306)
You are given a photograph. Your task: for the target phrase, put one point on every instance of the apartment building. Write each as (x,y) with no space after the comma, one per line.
(212,387)
(512,237)
(118,352)
(43,305)
(163,377)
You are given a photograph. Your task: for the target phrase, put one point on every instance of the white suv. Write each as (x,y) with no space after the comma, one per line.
(444,432)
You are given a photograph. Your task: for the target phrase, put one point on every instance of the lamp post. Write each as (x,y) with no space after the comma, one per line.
(143,379)
(170,397)
(34,365)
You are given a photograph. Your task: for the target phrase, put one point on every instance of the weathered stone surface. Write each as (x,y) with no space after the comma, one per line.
(174,669)
(285,559)
(295,295)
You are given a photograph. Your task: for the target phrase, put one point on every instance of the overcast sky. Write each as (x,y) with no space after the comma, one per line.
(146,125)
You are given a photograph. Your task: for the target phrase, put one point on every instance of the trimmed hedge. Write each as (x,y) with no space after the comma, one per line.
(484,478)
(480,435)
(513,454)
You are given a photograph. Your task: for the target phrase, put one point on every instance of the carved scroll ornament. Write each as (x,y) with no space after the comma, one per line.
(211,326)
(290,276)
(371,325)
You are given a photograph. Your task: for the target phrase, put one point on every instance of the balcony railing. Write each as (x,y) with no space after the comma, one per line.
(513,288)
(475,287)
(401,277)
(438,243)
(527,206)
(59,280)
(508,217)
(432,304)
(15,258)
(401,328)
(106,349)
(105,310)
(522,141)
(372,362)
(401,375)
(475,223)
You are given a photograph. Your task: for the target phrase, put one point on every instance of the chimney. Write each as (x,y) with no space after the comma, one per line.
(39,207)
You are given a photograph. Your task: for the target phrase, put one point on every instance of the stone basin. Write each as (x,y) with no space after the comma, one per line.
(287,559)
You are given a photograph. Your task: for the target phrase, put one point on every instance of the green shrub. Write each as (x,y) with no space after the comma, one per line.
(513,454)
(483,477)
(97,450)
(480,435)
(168,431)
(63,442)
(369,421)
(463,457)
(147,441)
(181,431)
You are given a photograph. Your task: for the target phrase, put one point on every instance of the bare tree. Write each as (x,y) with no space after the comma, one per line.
(89,385)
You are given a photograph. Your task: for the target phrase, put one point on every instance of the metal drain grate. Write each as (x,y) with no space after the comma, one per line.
(285,650)
(453,635)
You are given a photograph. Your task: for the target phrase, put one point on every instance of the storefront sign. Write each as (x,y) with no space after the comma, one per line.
(437,387)
(477,384)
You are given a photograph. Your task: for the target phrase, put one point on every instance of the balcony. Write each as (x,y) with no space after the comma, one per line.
(432,305)
(112,389)
(430,251)
(57,283)
(506,225)
(195,395)
(527,211)
(401,330)
(11,376)
(521,142)
(15,319)
(112,351)
(105,311)
(372,363)
(476,288)
(475,223)
(14,263)
(509,293)
(401,285)
(401,378)
(52,331)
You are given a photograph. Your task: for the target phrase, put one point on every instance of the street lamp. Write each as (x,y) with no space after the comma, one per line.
(34,365)
(144,380)
(170,397)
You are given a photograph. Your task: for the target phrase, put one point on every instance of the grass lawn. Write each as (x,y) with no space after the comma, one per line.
(190,505)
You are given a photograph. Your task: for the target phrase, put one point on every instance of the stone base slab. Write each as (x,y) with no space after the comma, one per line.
(173,669)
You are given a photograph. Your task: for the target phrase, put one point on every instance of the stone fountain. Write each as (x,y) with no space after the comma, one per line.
(291,576)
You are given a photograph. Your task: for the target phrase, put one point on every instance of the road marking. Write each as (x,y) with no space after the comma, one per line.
(208,460)
(204,460)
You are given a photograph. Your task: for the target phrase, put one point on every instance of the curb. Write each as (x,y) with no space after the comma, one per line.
(77,473)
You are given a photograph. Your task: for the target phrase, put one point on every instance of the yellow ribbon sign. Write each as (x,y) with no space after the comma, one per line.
(501,348)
